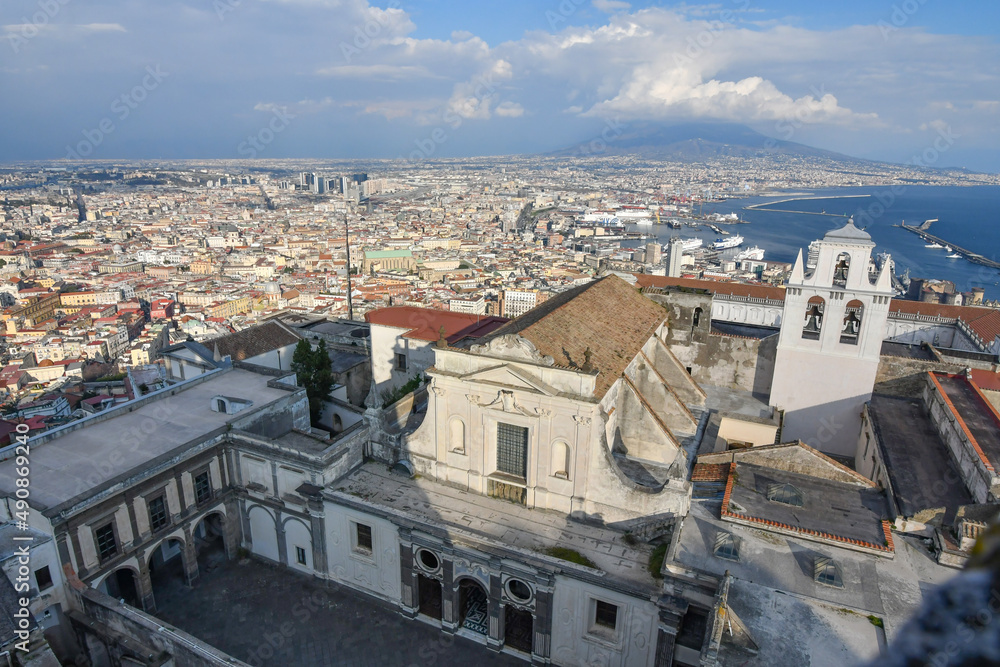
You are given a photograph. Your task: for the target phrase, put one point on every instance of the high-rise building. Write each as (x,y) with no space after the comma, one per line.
(653,253)
(675,256)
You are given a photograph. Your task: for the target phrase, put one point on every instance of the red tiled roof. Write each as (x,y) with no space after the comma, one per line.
(426,323)
(607,316)
(713,286)
(986,379)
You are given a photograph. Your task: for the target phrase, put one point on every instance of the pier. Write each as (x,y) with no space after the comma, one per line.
(973,257)
(762,205)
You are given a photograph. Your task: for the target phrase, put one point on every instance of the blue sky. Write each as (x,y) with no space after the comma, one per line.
(303,78)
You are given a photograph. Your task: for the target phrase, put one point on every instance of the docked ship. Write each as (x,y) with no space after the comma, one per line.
(755,253)
(724,244)
(691,244)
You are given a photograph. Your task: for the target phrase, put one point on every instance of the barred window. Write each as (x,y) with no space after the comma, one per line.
(202,487)
(512,449)
(157,514)
(107,545)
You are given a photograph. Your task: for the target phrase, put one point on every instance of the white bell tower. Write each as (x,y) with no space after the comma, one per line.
(832,327)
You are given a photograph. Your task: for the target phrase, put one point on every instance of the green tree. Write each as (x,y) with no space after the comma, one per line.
(314,371)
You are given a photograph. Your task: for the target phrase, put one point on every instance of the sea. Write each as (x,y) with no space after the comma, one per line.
(784,222)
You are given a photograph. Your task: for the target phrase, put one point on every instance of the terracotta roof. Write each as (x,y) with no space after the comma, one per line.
(713,286)
(426,323)
(608,316)
(986,379)
(253,341)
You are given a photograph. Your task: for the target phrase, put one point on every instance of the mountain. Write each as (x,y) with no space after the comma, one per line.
(694,141)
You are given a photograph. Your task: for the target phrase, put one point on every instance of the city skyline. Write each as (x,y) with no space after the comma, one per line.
(352,79)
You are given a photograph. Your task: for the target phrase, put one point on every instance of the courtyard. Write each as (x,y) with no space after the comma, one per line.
(268,616)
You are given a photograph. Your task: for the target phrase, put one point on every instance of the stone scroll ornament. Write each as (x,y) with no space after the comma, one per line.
(513,347)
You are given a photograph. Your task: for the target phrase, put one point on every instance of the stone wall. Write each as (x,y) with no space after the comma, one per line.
(126,632)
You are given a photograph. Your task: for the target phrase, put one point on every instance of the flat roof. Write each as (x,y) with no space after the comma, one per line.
(507,524)
(830,510)
(93,455)
(921,471)
(978,414)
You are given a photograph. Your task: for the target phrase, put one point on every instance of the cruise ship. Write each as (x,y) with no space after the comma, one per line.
(691,244)
(725,244)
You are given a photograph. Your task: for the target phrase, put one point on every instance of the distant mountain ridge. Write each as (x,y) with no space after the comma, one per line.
(694,141)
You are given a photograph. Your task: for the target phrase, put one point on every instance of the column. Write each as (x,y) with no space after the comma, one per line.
(496,636)
(189,556)
(145,585)
(541,645)
(317,525)
(409,602)
(449,598)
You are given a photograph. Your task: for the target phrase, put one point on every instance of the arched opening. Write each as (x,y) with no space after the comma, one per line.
(166,571)
(473,607)
(697,316)
(814,318)
(210,542)
(842,269)
(122,584)
(518,628)
(852,322)
(560,459)
(338,424)
(456,435)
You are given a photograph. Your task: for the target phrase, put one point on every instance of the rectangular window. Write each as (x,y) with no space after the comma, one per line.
(605,615)
(512,450)
(43,578)
(400,361)
(300,555)
(202,487)
(158,518)
(107,545)
(363,537)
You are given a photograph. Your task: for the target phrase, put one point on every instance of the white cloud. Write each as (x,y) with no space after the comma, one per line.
(610,6)
(102,27)
(378,72)
(510,110)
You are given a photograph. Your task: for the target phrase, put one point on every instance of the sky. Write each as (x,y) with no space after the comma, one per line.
(908,81)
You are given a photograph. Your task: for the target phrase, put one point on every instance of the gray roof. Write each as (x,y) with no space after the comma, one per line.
(94,455)
(847,233)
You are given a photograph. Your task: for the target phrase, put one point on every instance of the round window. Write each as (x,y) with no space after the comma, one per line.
(428,560)
(518,590)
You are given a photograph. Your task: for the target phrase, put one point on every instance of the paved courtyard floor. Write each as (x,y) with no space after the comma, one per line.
(268,616)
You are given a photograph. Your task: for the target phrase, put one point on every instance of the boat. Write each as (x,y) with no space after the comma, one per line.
(691,244)
(755,253)
(933,245)
(947,248)
(954,255)
(725,244)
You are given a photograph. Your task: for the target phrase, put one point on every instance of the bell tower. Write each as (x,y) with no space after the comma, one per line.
(832,327)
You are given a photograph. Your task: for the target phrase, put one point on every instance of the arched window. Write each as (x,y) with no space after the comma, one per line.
(560,459)
(852,322)
(456,435)
(842,269)
(814,318)
(338,424)
(697,316)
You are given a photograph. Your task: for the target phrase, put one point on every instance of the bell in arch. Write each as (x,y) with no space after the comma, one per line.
(851,324)
(814,319)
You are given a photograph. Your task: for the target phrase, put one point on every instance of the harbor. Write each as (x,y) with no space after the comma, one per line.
(973,257)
